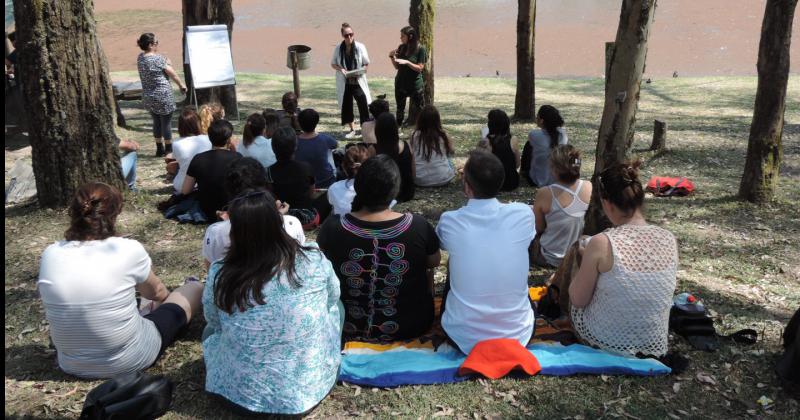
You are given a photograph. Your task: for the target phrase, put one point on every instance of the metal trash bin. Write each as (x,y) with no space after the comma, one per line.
(303,56)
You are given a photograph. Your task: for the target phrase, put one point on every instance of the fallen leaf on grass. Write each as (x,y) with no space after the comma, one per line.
(676,387)
(673,416)
(705,378)
(358,391)
(443,411)
(764,401)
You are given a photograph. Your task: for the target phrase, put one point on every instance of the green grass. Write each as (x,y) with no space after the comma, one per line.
(741,258)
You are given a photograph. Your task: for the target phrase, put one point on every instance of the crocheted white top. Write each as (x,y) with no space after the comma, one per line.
(629,311)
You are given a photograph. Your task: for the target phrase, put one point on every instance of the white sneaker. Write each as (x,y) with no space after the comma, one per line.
(351,135)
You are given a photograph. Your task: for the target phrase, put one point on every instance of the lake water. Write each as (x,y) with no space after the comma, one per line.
(472,37)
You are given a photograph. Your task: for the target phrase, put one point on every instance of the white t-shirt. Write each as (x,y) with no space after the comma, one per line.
(183,151)
(488,246)
(341,195)
(218,237)
(88,290)
(260,150)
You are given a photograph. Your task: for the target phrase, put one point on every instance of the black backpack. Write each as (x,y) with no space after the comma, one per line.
(788,366)
(691,322)
(135,396)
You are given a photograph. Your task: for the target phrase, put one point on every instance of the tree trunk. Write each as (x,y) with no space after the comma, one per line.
(525,101)
(623,81)
(421,17)
(659,136)
(209,12)
(764,149)
(64,76)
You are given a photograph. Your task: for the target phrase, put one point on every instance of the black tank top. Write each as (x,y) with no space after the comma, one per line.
(501,147)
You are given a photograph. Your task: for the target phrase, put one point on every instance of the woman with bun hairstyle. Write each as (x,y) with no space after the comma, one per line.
(341,193)
(541,142)
(621,295)
(88,284)
(155,70)
(347,56)
(560,208)
(409,59)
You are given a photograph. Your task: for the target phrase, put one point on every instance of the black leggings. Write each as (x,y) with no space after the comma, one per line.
(162,126)
(417,102)
(354,91)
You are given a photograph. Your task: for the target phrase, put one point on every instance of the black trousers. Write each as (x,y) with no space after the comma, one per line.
(353,91)
(417,102)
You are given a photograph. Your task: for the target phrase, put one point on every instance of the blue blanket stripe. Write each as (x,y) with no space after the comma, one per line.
(425,367)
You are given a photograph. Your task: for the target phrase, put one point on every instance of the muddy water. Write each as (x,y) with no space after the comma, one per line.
(475,37)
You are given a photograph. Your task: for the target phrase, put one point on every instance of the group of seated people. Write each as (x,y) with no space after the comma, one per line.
(278,307)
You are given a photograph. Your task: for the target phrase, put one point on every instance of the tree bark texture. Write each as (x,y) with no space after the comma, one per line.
(209,12)
(64,76)
(623,81)
(764,148)
(525,102)
(421,17)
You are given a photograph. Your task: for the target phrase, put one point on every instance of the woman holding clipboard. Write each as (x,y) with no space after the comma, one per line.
(350,60)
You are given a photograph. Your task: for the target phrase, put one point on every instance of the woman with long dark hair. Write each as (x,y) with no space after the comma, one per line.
(502,144)
(88,284)
(273,313)
(155,72)
(409,59)
(350,55)
(384,259)
(432,150)
(542,141)
(389,143)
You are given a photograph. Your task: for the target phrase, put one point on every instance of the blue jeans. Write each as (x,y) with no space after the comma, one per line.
(128,163)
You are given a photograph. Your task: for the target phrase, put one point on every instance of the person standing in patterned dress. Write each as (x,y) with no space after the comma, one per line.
(155,70)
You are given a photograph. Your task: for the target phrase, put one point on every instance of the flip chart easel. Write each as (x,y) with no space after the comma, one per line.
(208,51)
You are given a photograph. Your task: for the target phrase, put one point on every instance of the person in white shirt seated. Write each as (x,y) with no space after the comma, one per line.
(488,266)
(88,284)
(341,193)
(254,143)
(245,175)
(191,143)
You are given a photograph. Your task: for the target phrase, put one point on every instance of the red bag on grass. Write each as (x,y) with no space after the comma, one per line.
(662,186)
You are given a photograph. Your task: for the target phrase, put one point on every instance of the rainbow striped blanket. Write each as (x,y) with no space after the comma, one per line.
(417,363)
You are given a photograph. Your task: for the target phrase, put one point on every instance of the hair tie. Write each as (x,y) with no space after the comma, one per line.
(576,162)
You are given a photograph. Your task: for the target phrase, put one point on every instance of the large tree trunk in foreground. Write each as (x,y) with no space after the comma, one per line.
(526,41)
(623,82)
(421,17)
(764,149)
(64,76)
(209,12)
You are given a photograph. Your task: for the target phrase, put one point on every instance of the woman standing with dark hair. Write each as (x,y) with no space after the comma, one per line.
(273,315)
(88,284)
(389,143)
(384,259)
(409,59)
(350,55)
(154,71)
(541,141)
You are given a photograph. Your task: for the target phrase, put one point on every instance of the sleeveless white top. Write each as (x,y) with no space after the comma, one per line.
(564,224)
(629,311)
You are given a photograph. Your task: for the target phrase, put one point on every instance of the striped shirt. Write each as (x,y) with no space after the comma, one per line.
(88,290)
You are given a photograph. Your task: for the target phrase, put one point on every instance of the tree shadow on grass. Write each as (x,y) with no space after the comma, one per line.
(34,362)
